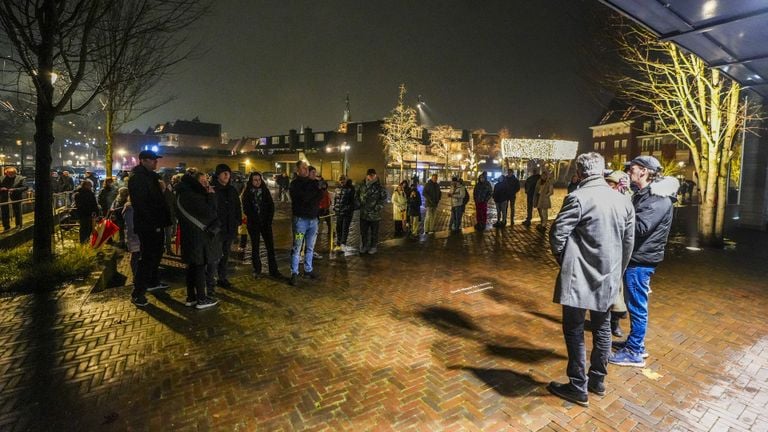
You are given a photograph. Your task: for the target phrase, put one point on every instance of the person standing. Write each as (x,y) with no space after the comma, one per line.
(654,206)
(482,194)
(432,195)
(12,188)
(150,217)
(89,175)
(459,198)
(132,243)
(592,240)
(230,216)
(170,201)
(512,188)
(500,198)
(530,193)
(414,211)
(399,209)
(107,195)
(573,184)
(305,198)
(618,181)
(87,209)
(117,211)
(259,210)
(544,190)
(344,206)
(196,202)
(371,196)
(66,182)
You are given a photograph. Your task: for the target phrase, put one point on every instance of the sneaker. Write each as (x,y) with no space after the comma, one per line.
(276,274)
(311,275)
(316,256)
(159,286)
(206,303)
(567,392)
(363,250)
(224,283)
(372,251)
(191,301)
(618,345)
(597,388)
(139,301)
(526,223)
(294,278)
(625,357)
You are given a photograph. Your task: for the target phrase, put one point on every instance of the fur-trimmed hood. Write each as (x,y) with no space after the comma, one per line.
(666,187)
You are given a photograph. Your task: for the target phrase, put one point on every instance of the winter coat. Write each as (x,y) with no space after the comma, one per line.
(372,197)
(399,205)
(198,222)
(432,194)
(344,202)
(132,242)
(592,239)
(258,206)
(15,187)
(543,192)
(150,212)
(531,183)
(229,208)
(457,195)
(85,203)
(482,192)
(512,187)
(499,193)
(66,184)
(305,196)
(414,203)
(653,209)
(107,195)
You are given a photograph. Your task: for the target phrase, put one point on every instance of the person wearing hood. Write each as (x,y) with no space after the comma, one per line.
(371,196)
(87,208)
(459,198)
(230,213)
(654,206)
(150,216)
(259,210)
(482,194)
(200,226)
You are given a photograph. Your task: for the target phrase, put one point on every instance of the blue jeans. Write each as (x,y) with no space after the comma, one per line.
(303,228)
(637,283)
(457,212)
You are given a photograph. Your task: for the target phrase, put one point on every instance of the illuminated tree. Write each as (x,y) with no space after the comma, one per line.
(698,105)
(440,139)
(400,131)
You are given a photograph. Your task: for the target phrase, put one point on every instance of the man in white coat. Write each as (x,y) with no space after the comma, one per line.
(592,239)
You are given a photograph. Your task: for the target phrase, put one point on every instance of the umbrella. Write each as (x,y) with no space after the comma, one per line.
(103,231)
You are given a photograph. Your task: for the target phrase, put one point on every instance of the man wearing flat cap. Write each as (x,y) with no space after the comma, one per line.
(653,204)
(150,216)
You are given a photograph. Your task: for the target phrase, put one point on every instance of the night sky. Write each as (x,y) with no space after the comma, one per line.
(269,66)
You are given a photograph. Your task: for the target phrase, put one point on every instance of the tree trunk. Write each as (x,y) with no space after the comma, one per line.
(42,250)
(108,147)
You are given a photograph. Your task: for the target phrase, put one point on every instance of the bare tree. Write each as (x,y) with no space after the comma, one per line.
(58,49)
(440,140)
(400,131)
(698,105)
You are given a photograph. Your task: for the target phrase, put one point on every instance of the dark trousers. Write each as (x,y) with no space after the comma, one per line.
(573,330)
(196,281)
(398,227)
(481,214)
(342,228)
(5,209)
(257,232)
(151,250)
(86,227)
(369,234)
(529,207)
(226,248)
(511,212)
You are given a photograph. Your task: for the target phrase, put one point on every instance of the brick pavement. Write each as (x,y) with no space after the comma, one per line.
(453,332)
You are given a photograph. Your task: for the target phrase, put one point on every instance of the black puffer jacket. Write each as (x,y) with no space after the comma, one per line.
(344,201)
(150,211)
(653,220)
(259,211)
(229,208)
(198,222)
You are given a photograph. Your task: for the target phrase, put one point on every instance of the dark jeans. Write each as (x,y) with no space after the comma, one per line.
(226,247)
(573,330)
(369,234)
(196,281)
(457,213)
(256,232)
(6,209)
(529,208)
(342,228)
(86,227)
(501,212)
(511,212)
(151,253)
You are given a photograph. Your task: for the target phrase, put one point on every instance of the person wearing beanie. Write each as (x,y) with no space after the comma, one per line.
(230,214)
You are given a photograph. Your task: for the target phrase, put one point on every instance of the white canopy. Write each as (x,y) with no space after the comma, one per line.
(539,149)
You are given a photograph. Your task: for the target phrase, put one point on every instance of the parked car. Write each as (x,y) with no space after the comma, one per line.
(270,178)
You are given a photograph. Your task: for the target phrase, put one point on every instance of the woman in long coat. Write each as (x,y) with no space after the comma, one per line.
(544,190)
(259,211)
(399,208)
(199,225)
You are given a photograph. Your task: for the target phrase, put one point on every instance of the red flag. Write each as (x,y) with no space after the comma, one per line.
(102,232)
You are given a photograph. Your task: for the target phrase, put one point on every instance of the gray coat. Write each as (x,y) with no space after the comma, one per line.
(592,239)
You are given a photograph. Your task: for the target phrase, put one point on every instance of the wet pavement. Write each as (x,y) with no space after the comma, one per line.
(449,332)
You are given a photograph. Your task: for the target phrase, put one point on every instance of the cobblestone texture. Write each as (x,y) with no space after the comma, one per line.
(450,332)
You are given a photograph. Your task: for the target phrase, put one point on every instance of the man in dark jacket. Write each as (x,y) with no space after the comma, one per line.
(199,224)
(431,197)
(500,198)
(482,194)
(530,193)
(12,188)
(230,215)
(371,196)
(150,217)
(512,188)
(653,204)
(305,205)
(87,208)
(107,195)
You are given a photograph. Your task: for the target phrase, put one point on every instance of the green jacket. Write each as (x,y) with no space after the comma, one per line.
(372,198)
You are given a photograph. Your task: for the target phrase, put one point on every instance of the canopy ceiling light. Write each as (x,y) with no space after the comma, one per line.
(545,149)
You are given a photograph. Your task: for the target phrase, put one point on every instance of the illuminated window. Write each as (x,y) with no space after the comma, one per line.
(597,145)
(624,143)
(646,144)
(656,144)
(360,132)
(616,144)
(647,126)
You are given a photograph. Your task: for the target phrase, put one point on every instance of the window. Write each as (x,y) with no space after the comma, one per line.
(602,145)
(301,138)
(656,144)
(616,144)
(319,137)
(360,132)
(597,145)
(647,126)
(275,140)
(623,158)
(623,143)
(646,144)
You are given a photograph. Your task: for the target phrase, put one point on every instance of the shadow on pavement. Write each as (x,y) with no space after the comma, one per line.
(506,382)
(448,321)
(525,355)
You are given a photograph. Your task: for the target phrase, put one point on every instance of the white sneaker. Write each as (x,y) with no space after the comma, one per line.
(160,285)
(372,251)
(317,256)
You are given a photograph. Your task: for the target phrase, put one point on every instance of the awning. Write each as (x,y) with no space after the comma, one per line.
(731,35)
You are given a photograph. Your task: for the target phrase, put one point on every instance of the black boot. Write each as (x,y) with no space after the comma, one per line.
(615,326)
